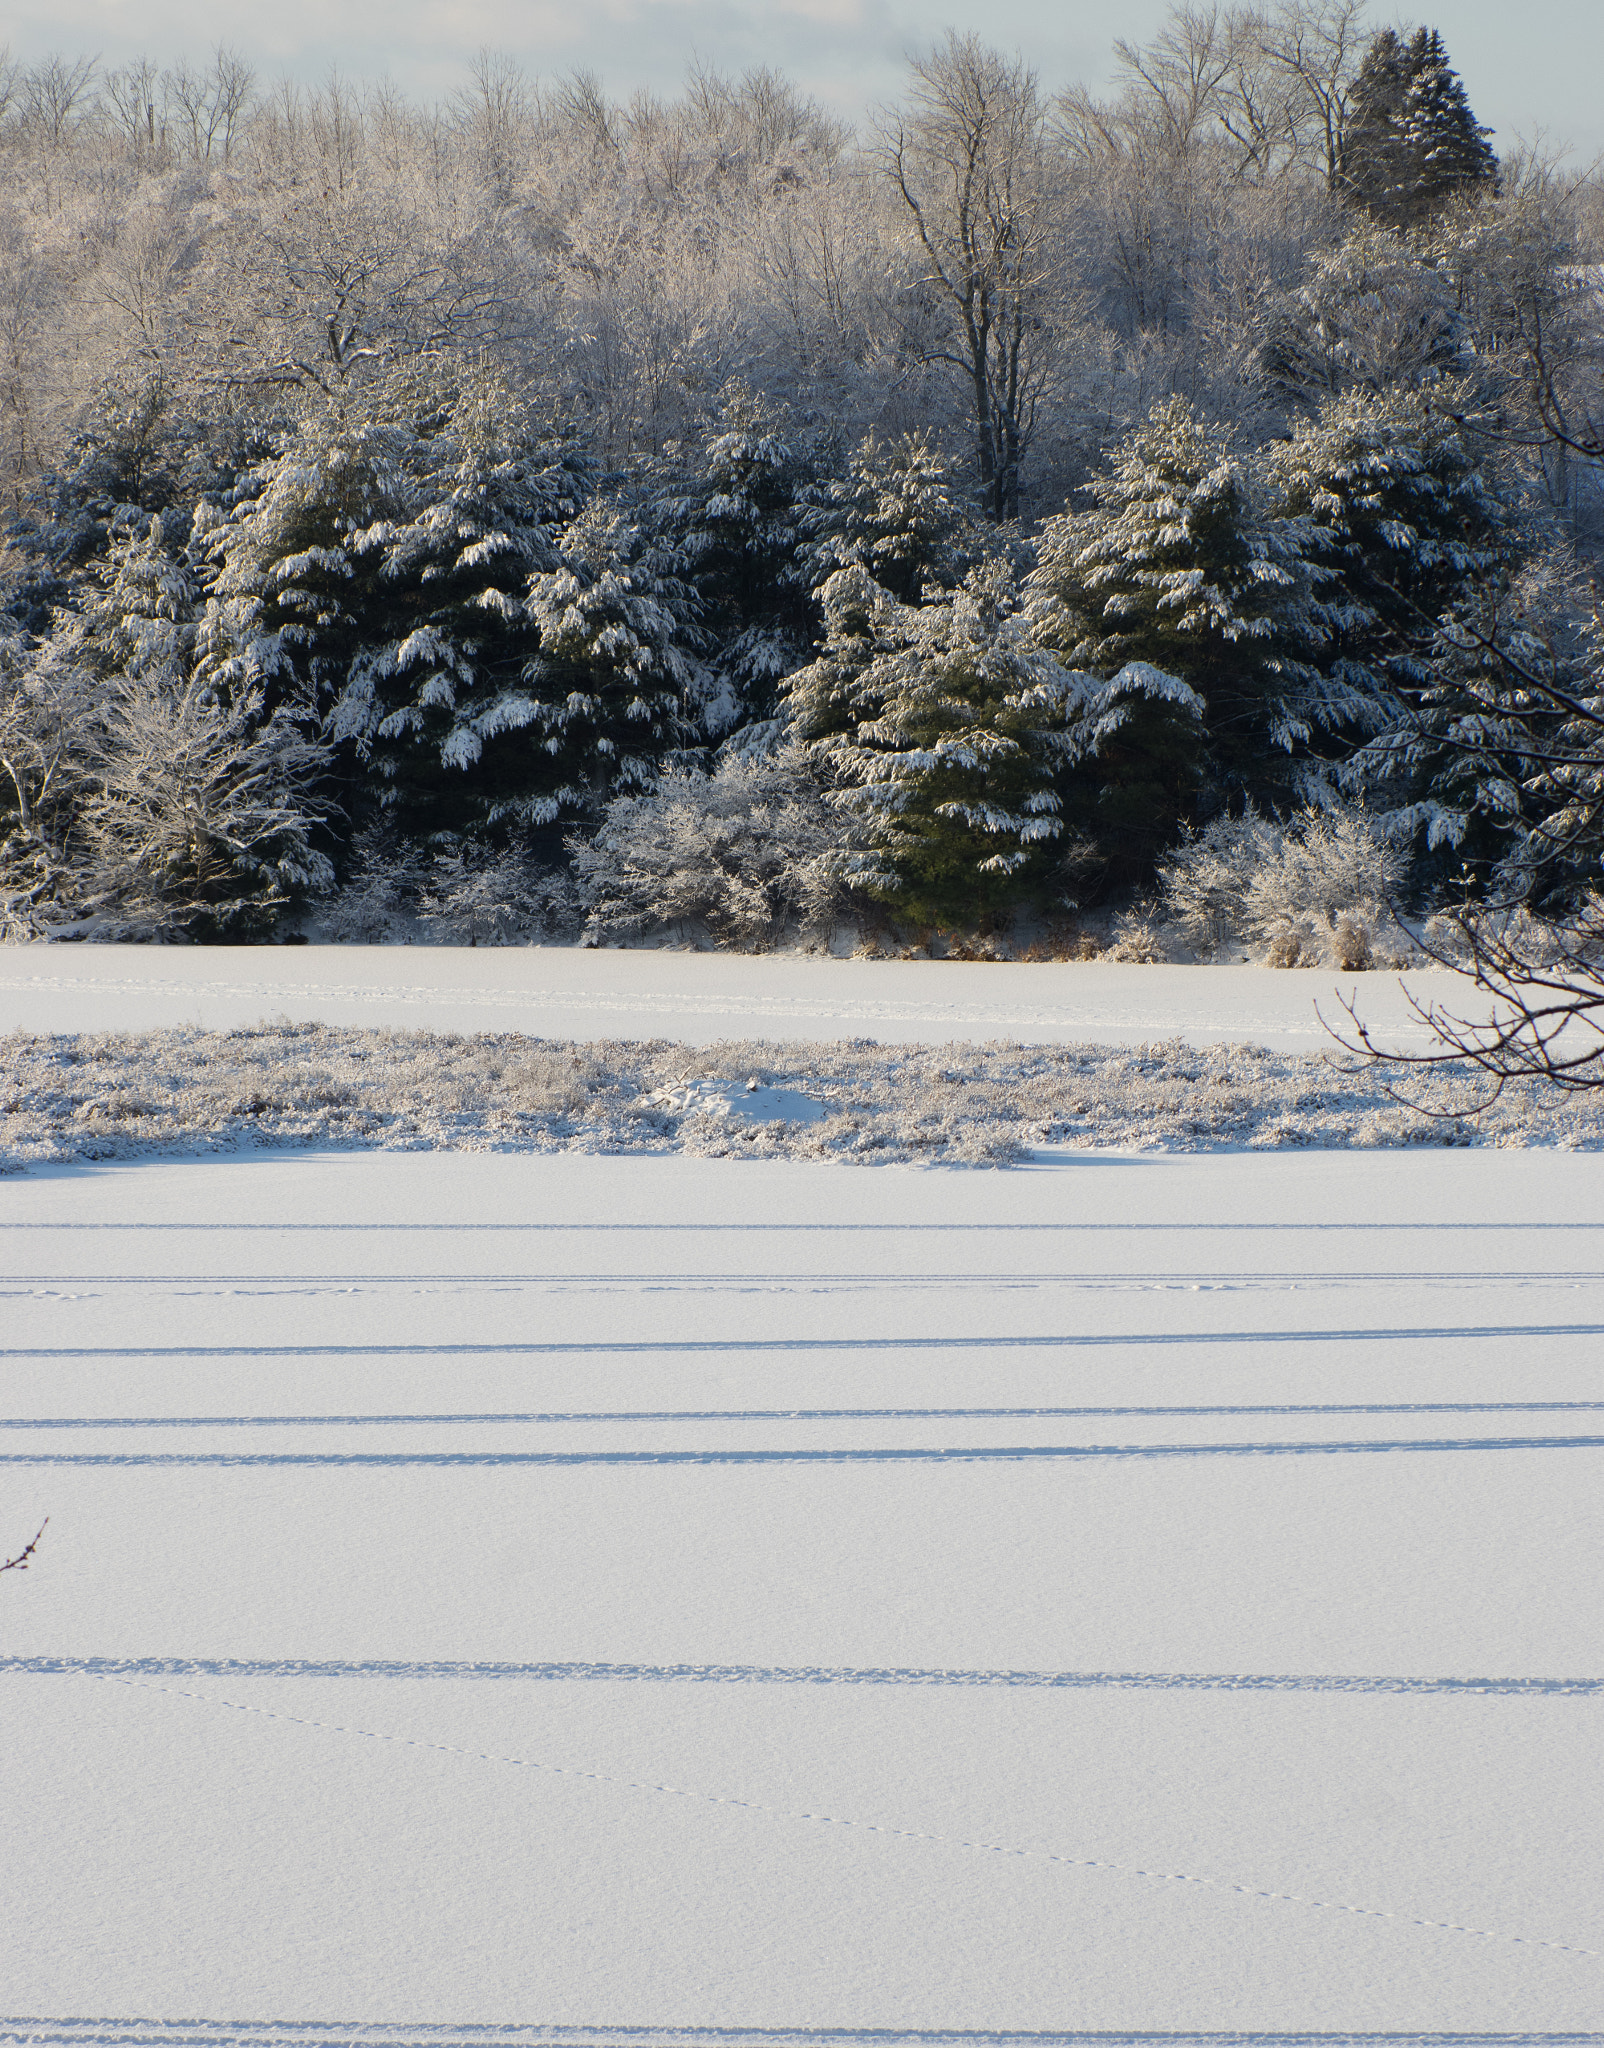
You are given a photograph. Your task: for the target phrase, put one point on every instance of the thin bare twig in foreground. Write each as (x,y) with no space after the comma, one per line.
(1547,1023)
(19,1563)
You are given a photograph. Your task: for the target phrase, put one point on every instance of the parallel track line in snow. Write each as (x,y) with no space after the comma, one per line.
(785,1415)
(923,1836)
(136,2033)
(1076,1228)
(960,1455)
(835,1279)
(1081,1340)
(794,1674)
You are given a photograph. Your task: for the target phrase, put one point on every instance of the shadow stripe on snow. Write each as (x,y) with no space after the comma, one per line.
(840,1278)
(785,1415)
(697,1347)
(783,1674)
(979,1454)
(1076,1228)
(133,2033)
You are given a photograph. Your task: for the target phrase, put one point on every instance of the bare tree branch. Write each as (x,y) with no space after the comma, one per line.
(20,1562)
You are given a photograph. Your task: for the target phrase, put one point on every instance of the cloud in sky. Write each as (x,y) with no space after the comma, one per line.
(1524,67)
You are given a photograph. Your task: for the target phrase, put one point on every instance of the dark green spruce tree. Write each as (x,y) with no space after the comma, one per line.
(1412,144)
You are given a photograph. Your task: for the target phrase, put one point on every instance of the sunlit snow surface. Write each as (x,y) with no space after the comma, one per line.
(573,1599)
(569,992)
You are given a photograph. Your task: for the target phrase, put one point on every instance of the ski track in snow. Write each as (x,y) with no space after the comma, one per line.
(1230,1847)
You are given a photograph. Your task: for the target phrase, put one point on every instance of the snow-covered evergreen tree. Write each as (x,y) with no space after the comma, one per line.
(899,512)
(1493,756)
(1176,567)
(949,730)
(737,520)
(1406,528)
(1400,519)
(142,608)
(382,567)
(1376,310)
(1411,143)
(612,689)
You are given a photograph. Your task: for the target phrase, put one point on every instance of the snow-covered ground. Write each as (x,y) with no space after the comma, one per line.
(698,998)
(568,1598)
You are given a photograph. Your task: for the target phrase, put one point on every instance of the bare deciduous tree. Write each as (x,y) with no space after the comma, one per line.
(134,99)
(1316,46)
(208,106)
(969,160)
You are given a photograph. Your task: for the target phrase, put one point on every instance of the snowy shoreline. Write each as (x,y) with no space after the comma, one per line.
(103,1096)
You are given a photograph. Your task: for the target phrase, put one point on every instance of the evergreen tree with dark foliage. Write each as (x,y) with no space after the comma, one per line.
(736,520)
(380,570)
(1405,529)
(946,731)
(1175,566)
(1412,144)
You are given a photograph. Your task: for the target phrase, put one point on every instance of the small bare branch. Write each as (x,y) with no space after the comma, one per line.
(1547,1016)
(20,1562)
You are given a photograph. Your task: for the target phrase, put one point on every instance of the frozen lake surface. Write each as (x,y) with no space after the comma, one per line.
(570,992)
(581,1599)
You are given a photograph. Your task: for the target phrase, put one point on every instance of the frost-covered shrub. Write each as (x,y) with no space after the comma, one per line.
(456,893)
(1137,941)
(202,813)
(47,702)
(1315,889)
(377,903)
(476,896)
(751,851)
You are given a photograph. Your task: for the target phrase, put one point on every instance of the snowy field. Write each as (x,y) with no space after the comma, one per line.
(696,998)
(110,1052)
(510,1597)
(574,1599)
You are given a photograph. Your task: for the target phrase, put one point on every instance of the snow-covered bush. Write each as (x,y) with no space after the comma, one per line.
(476,896)
(457,893)
(747,853)
(377,903)
(46,704)
(149,802)
(1138,940)
(202,812)
(1314,889)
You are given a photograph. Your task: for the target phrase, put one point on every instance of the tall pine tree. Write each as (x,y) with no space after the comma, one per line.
(1412,143)
(1176,567)
(949,731)
(381,569)
(736,519)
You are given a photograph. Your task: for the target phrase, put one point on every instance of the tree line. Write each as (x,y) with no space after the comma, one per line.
(1041,476)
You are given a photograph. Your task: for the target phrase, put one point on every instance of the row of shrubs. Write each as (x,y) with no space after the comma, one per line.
(757,855)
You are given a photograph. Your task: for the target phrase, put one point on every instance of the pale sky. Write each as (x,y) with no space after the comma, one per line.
(1527,64)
